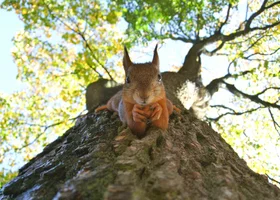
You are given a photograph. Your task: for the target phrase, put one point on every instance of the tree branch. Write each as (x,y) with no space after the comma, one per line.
(255,42)
(90,49)
(93,55)
(212,87)
(254,15)
(191,66)
(45,129)
(180,26)
(211,53)
(232,113)
(276,88)
(181,39)
(94,69)
(263,54)
(222,106)
(272,179)
(226,20)
(255,98)
(275,124)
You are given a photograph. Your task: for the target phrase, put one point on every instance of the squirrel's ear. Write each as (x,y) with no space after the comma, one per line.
(156,58)
(126,60)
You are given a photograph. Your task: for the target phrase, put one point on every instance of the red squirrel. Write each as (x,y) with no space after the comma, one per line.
(142,99)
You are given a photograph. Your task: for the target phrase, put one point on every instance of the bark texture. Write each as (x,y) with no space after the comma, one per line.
(100,159)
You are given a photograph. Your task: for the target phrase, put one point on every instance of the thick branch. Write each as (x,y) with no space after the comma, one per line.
(191,66)
(212,87)
(183,39)
(254,15)
(255,98)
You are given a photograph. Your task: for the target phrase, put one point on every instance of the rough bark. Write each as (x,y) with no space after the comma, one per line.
(192,64)
(100,159)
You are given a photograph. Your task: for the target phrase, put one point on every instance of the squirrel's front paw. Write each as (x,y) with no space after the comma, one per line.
(157,111)
(138,115)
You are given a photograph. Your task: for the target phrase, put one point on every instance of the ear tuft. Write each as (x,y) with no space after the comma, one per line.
(156,58)
(126,60)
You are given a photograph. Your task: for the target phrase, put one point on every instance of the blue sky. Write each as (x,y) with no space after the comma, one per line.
(10,24)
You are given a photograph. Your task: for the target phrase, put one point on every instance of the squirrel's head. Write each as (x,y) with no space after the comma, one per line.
(143,82)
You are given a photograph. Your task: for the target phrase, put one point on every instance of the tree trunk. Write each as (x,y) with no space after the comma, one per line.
(100,159)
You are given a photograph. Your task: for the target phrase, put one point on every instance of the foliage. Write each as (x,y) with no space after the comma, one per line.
(65,45)
(172,18)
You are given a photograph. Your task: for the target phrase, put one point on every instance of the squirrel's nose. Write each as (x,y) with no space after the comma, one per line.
(144,99)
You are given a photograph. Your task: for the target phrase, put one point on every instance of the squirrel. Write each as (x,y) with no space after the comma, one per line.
(143,99)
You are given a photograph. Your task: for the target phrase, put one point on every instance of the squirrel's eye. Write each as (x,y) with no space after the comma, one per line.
(127,80)
(159,77)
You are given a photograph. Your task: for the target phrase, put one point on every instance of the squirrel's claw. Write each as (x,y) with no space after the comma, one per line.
(157,111)
(137,109)
(139,118)
(138,115)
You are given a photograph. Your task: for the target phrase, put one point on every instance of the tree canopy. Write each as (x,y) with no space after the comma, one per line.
(65,45)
